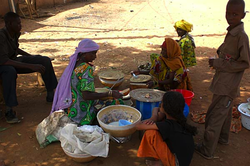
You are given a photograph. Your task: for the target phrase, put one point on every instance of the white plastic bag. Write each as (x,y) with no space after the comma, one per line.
(85,140)
(49,129)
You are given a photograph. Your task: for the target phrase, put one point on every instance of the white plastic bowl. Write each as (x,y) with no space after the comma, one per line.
(245,115)
(81,158)
(116,130)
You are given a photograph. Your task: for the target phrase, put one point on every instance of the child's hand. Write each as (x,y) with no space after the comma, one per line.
(148,121)
(143,126)
(211,62)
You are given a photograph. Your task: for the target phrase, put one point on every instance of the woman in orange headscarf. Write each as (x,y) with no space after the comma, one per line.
(168,69)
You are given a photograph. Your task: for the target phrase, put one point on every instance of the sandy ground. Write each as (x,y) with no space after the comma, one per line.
(127,32)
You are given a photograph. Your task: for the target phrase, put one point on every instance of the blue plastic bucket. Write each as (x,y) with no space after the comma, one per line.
(186,110)
(146,108)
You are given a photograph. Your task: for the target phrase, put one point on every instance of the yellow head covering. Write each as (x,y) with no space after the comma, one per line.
(184,25)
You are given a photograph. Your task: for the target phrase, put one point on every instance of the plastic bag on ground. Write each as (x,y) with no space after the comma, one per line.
(49,129)
(85,140)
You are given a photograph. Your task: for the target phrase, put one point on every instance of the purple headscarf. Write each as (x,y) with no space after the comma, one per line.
(63,97)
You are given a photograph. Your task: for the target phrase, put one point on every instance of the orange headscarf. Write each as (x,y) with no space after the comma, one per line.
(174,60)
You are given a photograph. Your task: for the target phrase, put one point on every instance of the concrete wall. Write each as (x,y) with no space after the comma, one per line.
(4,7)
(49,3)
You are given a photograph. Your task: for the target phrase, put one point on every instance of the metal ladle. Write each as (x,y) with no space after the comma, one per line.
(133,74)
(115,83)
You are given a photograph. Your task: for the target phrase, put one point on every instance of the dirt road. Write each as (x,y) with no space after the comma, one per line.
(127,32)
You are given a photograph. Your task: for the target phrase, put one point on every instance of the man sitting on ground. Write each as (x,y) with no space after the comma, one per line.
(11,65)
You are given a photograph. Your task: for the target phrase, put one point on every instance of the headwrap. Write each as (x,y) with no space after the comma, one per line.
(184,25)
(174,60)
(63,97)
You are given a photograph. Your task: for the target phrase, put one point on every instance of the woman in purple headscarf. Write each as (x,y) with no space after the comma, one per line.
(76,90)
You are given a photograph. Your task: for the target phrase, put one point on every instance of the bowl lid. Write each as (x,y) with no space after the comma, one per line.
(111,74)
(147,95)
(140,78)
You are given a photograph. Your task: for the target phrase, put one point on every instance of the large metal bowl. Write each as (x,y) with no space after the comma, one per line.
(110,83)
(115,130)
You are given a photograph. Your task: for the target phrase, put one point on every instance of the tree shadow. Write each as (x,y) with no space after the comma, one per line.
(124,59)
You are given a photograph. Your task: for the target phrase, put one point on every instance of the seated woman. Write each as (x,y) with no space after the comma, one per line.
(168,139)
(168,70)
(186,42)
(76,90)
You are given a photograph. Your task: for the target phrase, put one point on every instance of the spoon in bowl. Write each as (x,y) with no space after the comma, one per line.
(133,74)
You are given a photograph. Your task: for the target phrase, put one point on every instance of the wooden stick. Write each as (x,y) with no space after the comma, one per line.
(29,9)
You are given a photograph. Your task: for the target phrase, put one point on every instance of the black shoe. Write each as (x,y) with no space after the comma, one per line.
(11,117)
(50,96)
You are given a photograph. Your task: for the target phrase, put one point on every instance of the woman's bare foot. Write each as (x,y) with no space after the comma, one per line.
(154,163)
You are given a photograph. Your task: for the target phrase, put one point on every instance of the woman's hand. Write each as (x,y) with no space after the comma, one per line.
(135,72)
(150,84)
(116,94)
(211,62)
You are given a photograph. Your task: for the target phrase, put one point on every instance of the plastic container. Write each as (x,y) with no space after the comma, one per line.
(123,122)
(188,95)
(146,108)
(248,101)
(138,85)
(116,130)
(110,83)
(81,158)
(146,100)
(245,115)
(186,110)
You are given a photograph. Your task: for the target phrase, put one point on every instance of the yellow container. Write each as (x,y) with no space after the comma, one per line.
(134,116)
(138,85)
(110,83)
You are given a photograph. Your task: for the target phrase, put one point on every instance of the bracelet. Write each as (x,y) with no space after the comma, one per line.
(110,93)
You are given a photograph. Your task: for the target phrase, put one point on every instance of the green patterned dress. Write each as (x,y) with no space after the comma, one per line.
(82,111)
(187,46)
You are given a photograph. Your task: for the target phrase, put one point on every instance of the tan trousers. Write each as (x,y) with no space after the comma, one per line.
(217,124)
